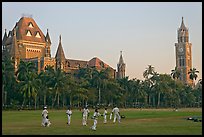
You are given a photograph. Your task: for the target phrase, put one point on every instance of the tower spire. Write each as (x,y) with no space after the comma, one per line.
(183,27)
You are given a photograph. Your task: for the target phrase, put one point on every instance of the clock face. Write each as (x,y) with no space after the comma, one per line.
(180,49)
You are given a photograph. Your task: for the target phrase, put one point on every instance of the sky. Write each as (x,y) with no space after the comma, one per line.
(145,32)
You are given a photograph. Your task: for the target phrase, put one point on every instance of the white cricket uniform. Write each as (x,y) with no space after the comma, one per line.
(44,118)
(105,116)
(85,116)
(69,113)
(115,111)
(95,116)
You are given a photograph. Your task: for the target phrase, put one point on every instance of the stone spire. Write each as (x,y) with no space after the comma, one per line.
(60,57)
(14,48)
(47,38)
(15,55)
(48,44)
(121,67)
(183,35)
(121,58)
(183,27)
(4,39)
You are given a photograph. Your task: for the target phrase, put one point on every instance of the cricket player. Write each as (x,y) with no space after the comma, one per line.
(116,114)
(95,117)
(85,115)
(69,113)
(45,120)
(105,116)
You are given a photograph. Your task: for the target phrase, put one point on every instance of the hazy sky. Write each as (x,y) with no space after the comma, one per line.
(145,32)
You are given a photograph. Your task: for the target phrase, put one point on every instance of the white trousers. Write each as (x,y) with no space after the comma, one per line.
(69,119)
(105,119)
(45,122)
(94,125)
(116,116)
(84,120)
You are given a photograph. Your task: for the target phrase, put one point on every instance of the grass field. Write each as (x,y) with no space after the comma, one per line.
(137,122)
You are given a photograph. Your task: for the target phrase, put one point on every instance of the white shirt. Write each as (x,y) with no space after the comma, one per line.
(68,112)
(85,112)
(115,110)
(96,114)
(44,113)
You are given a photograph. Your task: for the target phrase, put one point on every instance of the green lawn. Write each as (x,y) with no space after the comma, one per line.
(137,122)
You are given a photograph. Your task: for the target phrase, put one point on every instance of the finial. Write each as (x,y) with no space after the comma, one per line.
(5,30)
(120,52)
(47,30)
(60,38)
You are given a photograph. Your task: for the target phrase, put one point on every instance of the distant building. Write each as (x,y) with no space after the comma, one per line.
(27,42)
(184,54)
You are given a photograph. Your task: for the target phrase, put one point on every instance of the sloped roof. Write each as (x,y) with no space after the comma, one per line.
(76,63)
(22,27)
(96,62)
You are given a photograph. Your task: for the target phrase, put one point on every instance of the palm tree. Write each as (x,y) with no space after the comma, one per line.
(99,81)
(192,74)
(58,81)
(8,78)
(148,72)
(27,76)
(175,73)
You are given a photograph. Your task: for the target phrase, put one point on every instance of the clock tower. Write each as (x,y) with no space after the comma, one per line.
(183,54)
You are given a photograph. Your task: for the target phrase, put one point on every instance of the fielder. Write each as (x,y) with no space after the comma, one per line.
(69,113)
(85,115)
(45,120)
(116,114)
(105,116)
(95,117)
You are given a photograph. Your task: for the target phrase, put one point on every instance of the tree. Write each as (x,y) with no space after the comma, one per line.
(192,74)
(27,76)
(99,81)
(175,73)
(8,78)
(148,72)
(58,84)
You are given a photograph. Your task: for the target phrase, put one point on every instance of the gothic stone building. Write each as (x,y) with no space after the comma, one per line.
(27,42)
(184,54)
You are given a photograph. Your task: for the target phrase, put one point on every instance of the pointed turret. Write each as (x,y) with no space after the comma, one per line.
(4,39)
(183,27)
(121,67)
(183,33)
(121,58)
(15,55)
(47,38)
(48,44)
(14,49)
(60,57)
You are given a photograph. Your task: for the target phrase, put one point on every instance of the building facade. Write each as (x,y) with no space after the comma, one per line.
(183,49)
(28,43)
